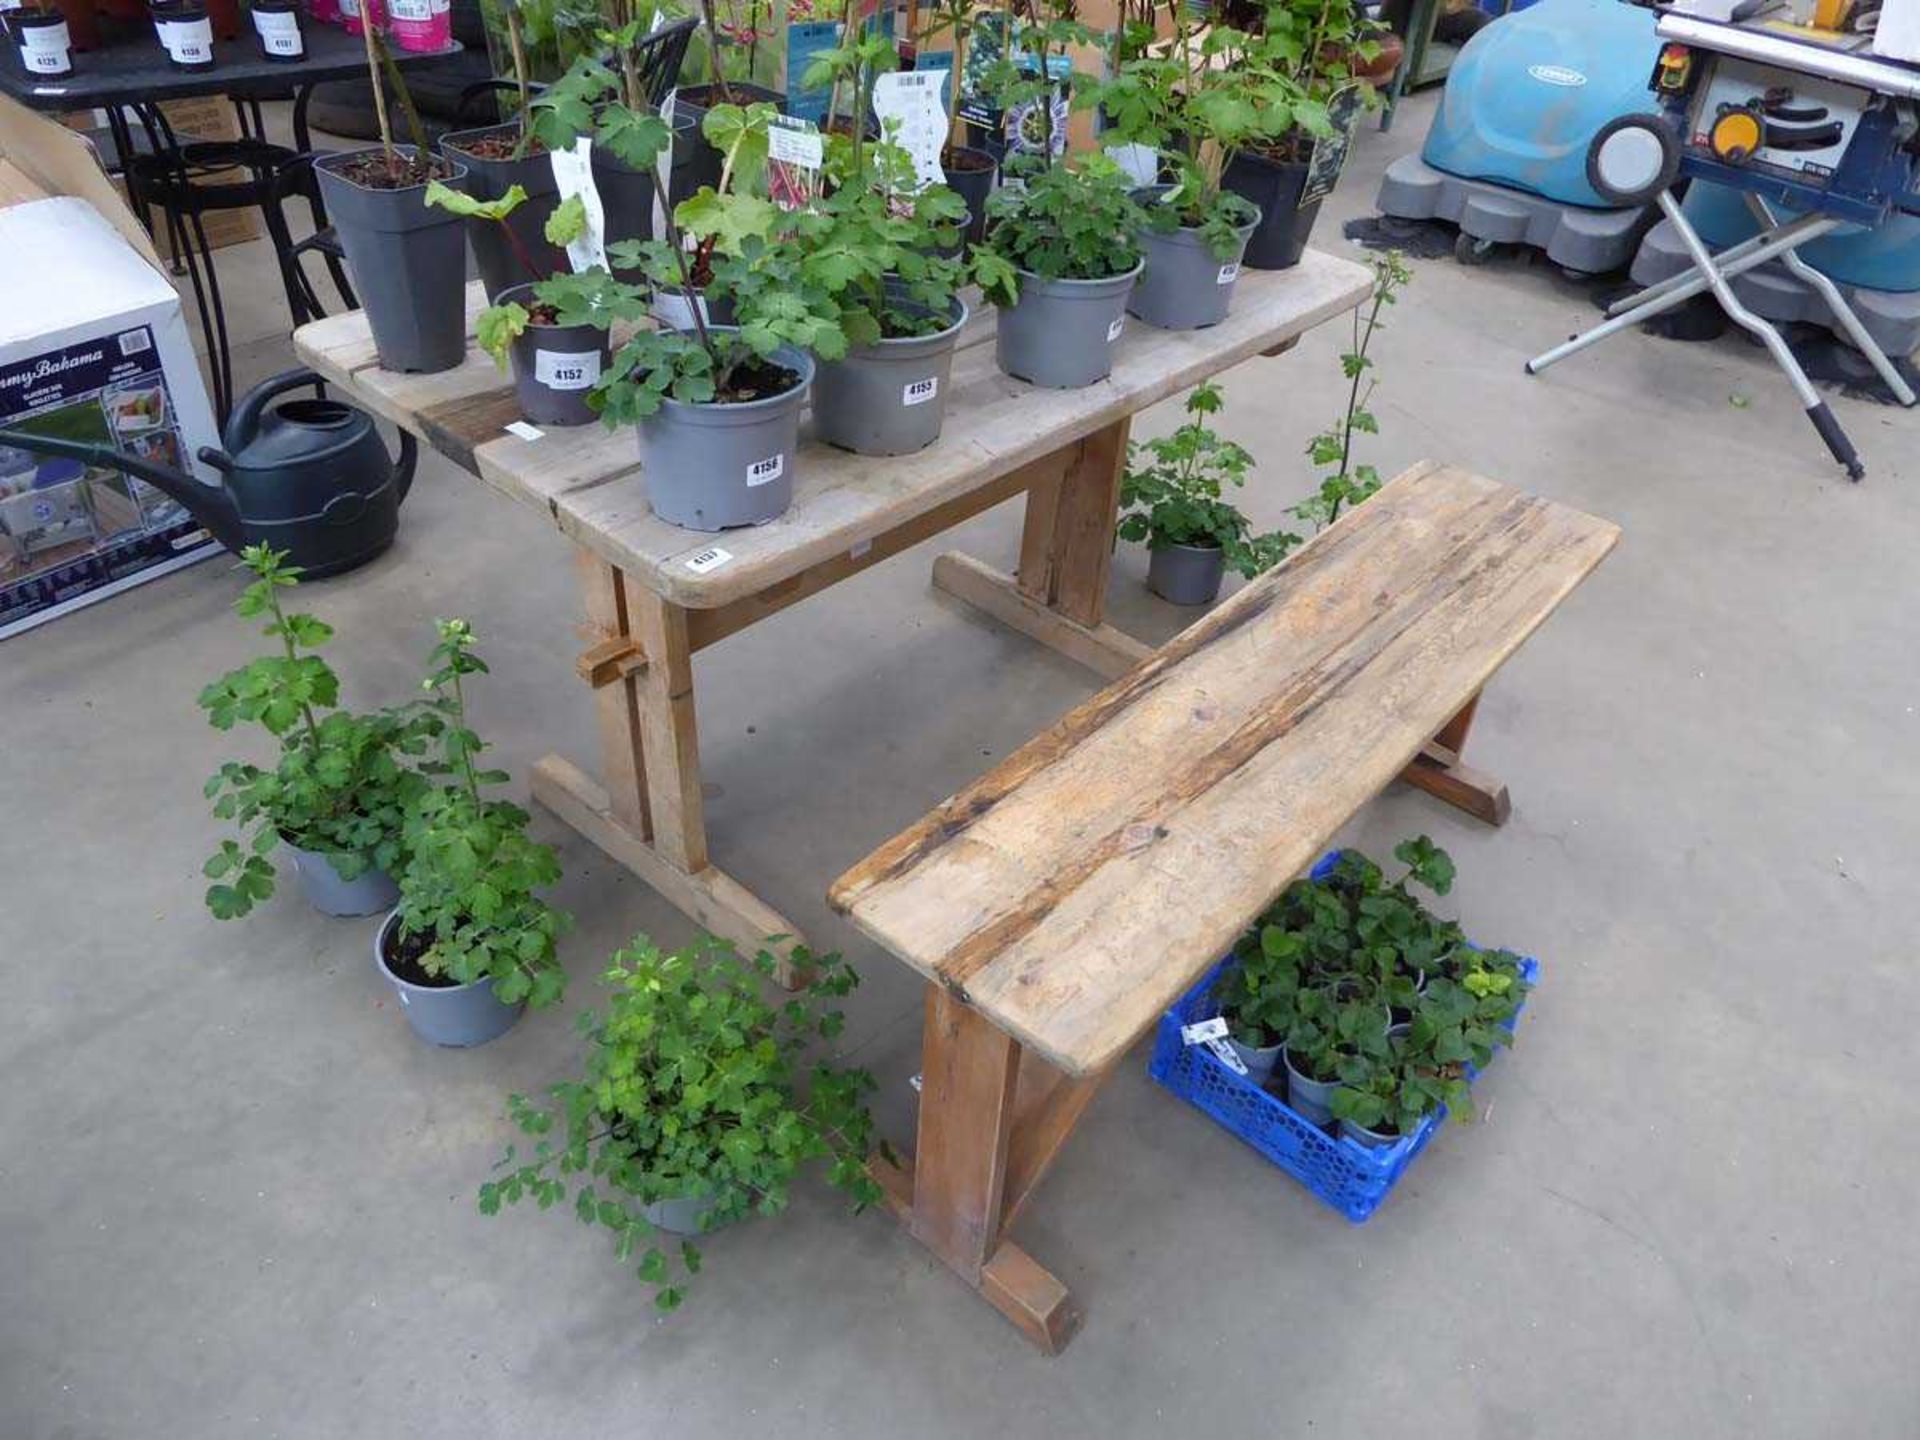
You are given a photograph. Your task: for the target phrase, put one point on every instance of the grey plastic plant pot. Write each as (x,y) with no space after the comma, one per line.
(1309,1098)
(555,366)
(1187,574)
(488,179)
(455,1016)
(408,263)
(1285,224)
(714,467)
(371,892)
(888,398)
(1372,1139)
(974,186)
(1185,286)
(1259,1062)
(1061,333)
(685,1215)
(626,203)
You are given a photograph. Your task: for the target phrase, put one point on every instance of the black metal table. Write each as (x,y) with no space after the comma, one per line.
(130,77)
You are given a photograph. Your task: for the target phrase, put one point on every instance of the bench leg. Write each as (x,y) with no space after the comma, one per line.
(971,1158)
(1058,595)
(648,812)
(1440,772)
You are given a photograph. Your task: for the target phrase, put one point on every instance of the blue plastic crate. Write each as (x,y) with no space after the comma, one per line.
(1351,1177)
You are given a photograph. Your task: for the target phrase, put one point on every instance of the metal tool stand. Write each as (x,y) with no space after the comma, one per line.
(1776,241)
(1810,124)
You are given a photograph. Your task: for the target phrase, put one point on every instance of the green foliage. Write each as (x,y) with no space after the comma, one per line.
(468,887)
(692,1088)
(567,223)
(1315,48)
(341,785)
(1071,221)
(1171,493)
(1367,987)
(602,101)
(497,327)
(1350,483)
(457,202)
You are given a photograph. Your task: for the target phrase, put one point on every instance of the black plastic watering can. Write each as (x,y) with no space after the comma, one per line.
(310,477)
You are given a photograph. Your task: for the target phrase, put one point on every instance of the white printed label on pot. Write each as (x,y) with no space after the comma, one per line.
(43,48)
(573,175)
(1201,1030)
(279,32)
(559,370)
(190,42)
(420,10)
(1113,330)
(918,392)
(711,558)
(765,472)
(1228,274)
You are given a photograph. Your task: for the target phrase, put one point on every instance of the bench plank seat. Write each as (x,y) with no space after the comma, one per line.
(1073,892)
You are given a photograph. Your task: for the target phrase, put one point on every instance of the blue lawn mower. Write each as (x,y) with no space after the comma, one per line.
(1506,159)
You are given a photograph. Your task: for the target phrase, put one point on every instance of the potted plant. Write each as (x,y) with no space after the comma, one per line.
(502,158)
(407,259)
(1194,99)
(971,173)
(338,795)
(697,157)
(1256,996)
(1171,497)
(550,332)
(470,945)
(1309,58)
(689,1114)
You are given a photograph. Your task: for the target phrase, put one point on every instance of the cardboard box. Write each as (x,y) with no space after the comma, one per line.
(96,349)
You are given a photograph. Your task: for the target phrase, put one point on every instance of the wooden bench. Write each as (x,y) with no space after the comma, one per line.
(1061,902)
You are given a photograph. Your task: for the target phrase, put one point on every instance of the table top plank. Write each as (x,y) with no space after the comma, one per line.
(1077,889)
(589,482)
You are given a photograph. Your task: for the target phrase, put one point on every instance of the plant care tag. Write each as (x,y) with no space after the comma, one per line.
(1202,1030)
(765,472)
(525,431)
(560,370)
(1140,162)
(918,392)
(573,175)
(1228,274)
(279,33)
(1113,330)
(711,558)
(1227,1056)
(795,153)
(914,116)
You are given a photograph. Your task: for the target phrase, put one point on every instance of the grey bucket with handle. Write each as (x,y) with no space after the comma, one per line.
(1061,333)
(712,467)
(456,1016)
(371,892)
(407,260)
(888,398)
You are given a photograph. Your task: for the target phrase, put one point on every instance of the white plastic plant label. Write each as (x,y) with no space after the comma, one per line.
(765,472)
(279,33)
(711,558)
(1228,1056)
(1140,162)
(1228,274)
(1203,1030)
(573,175)
(1113,330)
(795,153)
(563,370)
(919,392)
(914,116)
(520,429)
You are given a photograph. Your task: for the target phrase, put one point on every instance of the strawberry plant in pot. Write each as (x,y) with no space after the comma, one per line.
(1308,58)
(556,351)
(339,793)
(503,158)
(407,259)
(471,944)
(1172,498)
(690,1114)
(1195,99)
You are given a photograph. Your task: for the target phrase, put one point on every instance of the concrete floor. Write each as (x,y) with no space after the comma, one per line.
(237,1198)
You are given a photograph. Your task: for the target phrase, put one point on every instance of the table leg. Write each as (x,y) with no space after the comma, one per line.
(953,1195)
(1439,771)
(1058,596)
(647,812)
